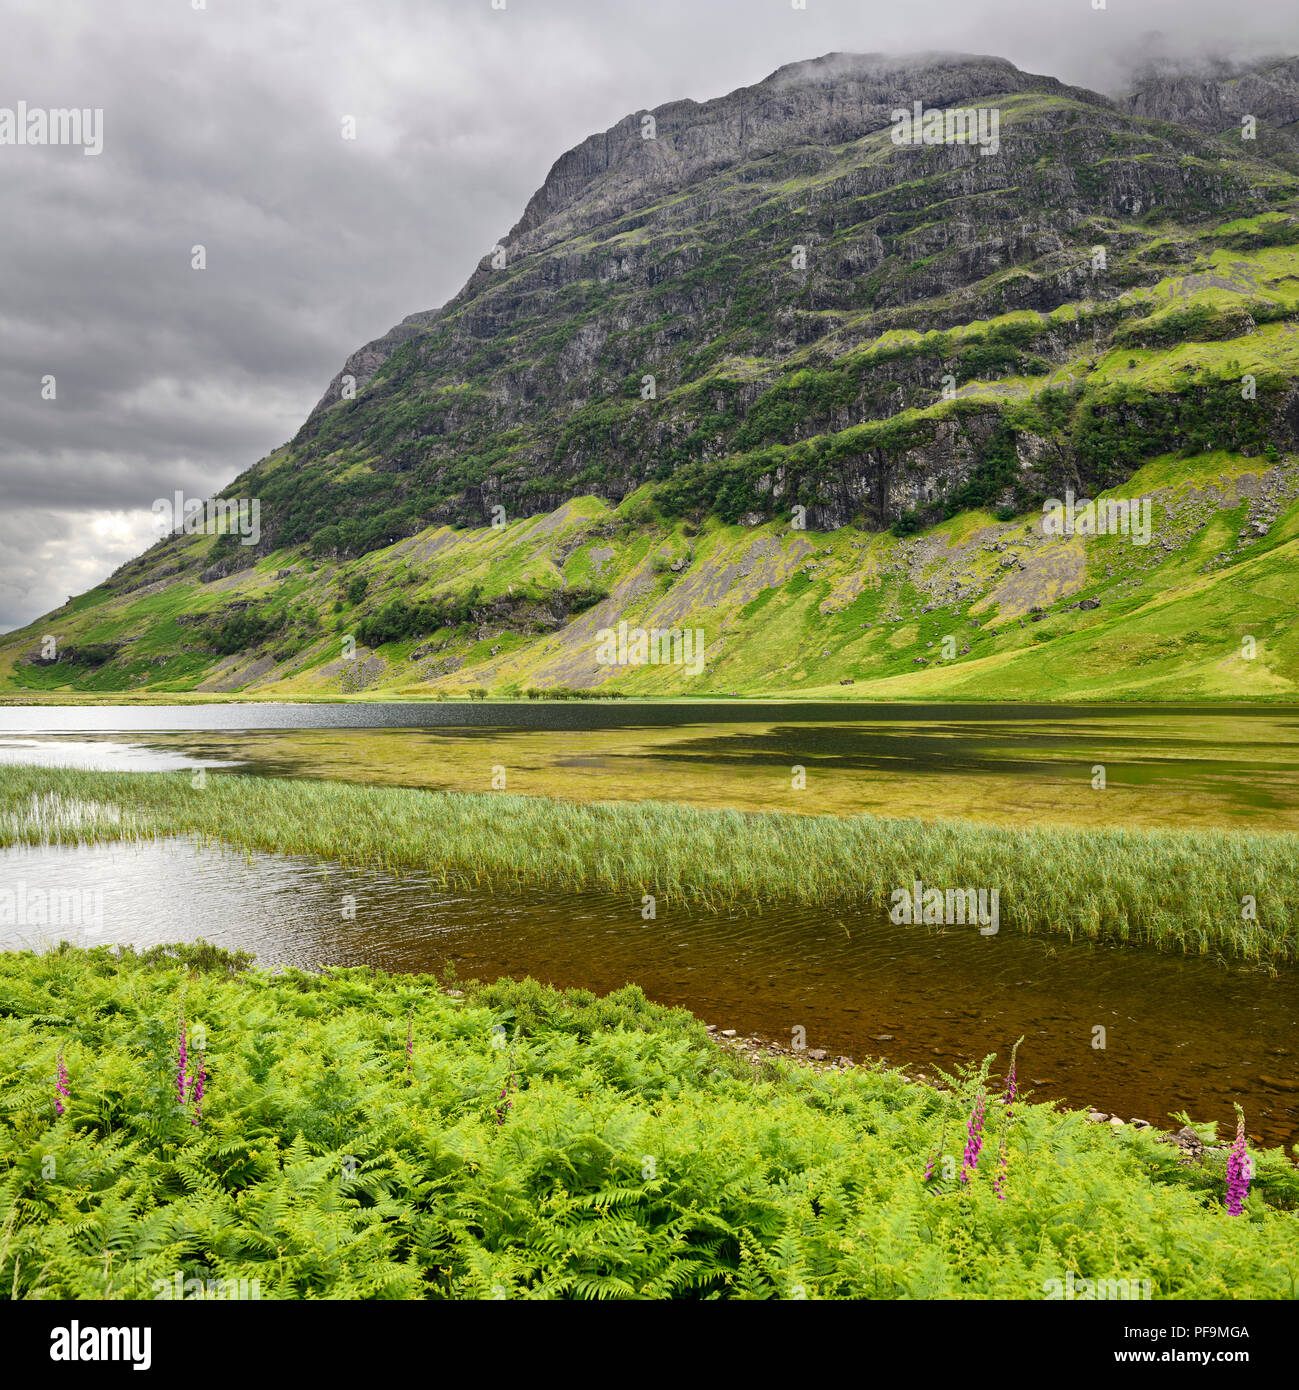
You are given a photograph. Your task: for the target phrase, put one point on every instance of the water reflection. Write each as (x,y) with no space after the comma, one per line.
(1181,1033)
(104,755)
(1160,769)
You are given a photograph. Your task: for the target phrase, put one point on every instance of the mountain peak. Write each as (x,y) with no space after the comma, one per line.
(829,100)
(1215,96)
(722,328)
(834,67)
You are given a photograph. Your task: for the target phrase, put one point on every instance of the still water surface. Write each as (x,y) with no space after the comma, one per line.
(1180,1034)
(995,764)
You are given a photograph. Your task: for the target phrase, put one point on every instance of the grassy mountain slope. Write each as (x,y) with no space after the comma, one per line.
(782,611)
(1108,305)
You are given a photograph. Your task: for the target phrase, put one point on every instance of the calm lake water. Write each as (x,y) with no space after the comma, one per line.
(1180,1033)
(1017,764)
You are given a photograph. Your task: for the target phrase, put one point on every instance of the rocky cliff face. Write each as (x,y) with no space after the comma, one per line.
(1217,102)
(826,102)
(764,311)
(625,171)
(704,282)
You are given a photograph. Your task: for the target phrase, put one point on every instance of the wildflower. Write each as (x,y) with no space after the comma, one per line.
(410,1040)
(1007,1100)
(974,1137)
(196,1084)
(61,1086)
(1238,1169)
(180,1065)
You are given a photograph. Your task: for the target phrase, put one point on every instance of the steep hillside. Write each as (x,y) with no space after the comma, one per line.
(771,376)
(1219,102)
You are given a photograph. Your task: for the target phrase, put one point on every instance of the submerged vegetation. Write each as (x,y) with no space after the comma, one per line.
(1234,894)
(364,1135)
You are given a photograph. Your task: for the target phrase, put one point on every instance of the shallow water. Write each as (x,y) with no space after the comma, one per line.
(1180,1034)
(1013,765)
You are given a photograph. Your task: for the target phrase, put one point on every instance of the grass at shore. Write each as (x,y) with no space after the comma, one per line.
(363,1135)
(1178,891)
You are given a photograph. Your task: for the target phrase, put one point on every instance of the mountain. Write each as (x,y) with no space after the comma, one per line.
(753,367)
(1218,101)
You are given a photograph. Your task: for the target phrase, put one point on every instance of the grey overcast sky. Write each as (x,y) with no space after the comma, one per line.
(223,128)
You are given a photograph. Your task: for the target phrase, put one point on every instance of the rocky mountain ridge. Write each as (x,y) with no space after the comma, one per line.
(771,332)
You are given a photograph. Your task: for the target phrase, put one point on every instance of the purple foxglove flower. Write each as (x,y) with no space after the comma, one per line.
(61,1086)
(974,1138)
(1238,1169)
(180,1065)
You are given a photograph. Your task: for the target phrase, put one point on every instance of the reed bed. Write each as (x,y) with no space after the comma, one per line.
(1181,891)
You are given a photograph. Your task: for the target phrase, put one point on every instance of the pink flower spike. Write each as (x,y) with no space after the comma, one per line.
(1238,1169)
(974,1140)
(180,1065)
(61,1086)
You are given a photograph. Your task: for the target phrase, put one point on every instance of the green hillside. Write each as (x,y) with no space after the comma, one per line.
(806,396)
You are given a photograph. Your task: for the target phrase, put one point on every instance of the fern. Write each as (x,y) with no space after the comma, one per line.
(636,1161)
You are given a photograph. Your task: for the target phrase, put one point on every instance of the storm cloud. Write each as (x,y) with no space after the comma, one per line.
(223,129)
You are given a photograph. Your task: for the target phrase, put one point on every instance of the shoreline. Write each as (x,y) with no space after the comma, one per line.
(71,699)
(1178,891)
(536,1128)
(752,1047)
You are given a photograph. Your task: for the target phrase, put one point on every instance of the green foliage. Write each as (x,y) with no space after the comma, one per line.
(988,360)
(292,625)
(245,629)
(1176,890)
(636,1159)
(568,692)
(1197,323)
(996,471)
(399,618)
(88,653)
(1116,428)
